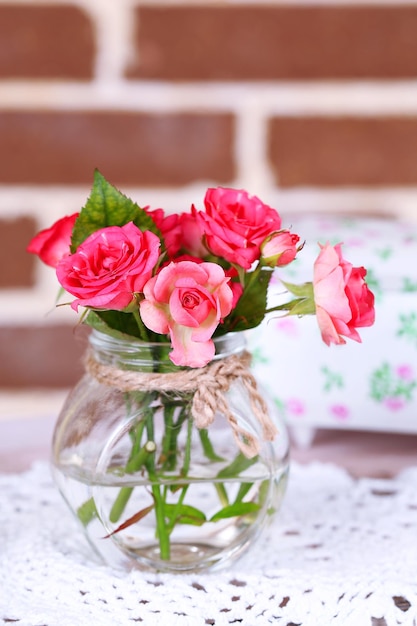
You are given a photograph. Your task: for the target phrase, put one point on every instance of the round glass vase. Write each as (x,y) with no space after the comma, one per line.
(150,488)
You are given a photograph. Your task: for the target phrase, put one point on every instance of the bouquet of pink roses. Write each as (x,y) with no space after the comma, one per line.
(195,275)
(184,279)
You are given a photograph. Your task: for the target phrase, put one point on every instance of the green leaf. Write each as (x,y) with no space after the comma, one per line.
(87,512)
(132,520)
(237,466)
(243,491)
(303,306)
(184,514)
(251,307)
(305,290)
(235,510)
(107,206)
(117,324)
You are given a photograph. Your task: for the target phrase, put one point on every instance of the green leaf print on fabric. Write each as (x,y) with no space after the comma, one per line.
(384,253)
(332,379)
(258,356)
(393,386)
(409,286)
(408,327)
(280,405)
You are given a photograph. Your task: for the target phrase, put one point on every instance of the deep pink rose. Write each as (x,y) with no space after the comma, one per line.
(182,233)
(280,248)
(192,234)
(51,244)
(187,300)
(343,300)
(109,267)
(170,228)
(235,224)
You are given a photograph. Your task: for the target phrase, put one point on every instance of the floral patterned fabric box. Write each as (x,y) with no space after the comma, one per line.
(372,385)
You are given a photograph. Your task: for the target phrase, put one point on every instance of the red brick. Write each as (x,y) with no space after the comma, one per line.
(275,42)
(15,235)
(46,356)
(344,151)
(45,42)
(128,148)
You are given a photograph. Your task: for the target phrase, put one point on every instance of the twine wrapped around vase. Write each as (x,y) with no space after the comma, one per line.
(208,384)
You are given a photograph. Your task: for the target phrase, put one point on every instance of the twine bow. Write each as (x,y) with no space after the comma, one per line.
(208,385)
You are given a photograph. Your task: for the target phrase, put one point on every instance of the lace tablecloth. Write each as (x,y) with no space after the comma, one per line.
(342,551)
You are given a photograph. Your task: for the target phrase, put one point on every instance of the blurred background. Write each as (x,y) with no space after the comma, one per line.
(310,105)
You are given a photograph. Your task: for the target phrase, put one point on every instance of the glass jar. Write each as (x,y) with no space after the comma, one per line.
(151,487)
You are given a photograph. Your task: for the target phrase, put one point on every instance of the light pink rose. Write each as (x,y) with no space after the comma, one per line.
(280,248)
(109,267)
(343,300)
(235,224)
(51,244)
(187,300)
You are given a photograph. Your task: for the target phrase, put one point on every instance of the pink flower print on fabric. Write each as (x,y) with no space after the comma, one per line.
(295,407)
(288,327)
(340,412)
(394,403)
(405,372)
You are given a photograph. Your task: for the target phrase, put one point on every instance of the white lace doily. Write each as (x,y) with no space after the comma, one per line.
(341,552)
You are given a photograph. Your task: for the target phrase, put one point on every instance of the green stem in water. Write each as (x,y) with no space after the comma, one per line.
(208,446)
(161,528)
(184,471)
(222,493)
(178,508)
(187,452)
(243,490)
(124,494)
(172,430)
(166,456)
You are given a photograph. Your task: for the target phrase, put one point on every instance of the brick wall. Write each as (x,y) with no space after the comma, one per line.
(311,105)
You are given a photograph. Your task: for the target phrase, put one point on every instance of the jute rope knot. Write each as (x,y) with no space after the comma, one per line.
(208,385)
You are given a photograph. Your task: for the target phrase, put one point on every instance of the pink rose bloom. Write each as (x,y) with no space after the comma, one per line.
(235,224)
(187,300)
(192,234)
(170,228)
(343,300)
(182,233)
(280,248)
(53,243)
(109,267)
(235,286)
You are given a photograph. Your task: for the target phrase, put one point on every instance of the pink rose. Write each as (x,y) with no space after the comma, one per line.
(170,228)
(235,224)
(182,233)
(280,248)
(192,234)
(51,244)
(235,286)
(109,267)
(343,300)
(187,300)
